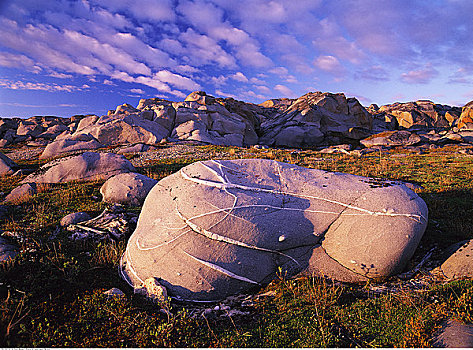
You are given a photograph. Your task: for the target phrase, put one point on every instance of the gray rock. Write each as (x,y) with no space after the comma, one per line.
(7,250)
(454,334)
(71,144)
(114,292)
(459,263)
(216,228)
(7,165)
(21,193)
(74,218)
(85,167)
(140,147)
(129,188)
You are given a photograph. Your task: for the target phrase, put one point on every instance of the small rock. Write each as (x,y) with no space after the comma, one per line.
(7,250)
(74,218)
(21,193)
(153,290)
(114,292)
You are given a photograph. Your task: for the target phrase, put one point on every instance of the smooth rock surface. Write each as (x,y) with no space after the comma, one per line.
(128,188)
(74,218)
(459,264)
(216,228)
(85,167)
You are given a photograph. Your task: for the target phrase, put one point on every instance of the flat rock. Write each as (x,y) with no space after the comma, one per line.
(217,228)
(74,218)
(454,334)
(128,188)
(87,166)
(140,147)
(391,138)
(459,263)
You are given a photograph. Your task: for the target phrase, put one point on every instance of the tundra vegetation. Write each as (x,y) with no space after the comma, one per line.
(52,293)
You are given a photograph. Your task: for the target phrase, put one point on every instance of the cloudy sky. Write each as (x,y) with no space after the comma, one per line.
(66,57)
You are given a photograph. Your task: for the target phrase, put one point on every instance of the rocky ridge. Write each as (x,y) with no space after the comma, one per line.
(314,120)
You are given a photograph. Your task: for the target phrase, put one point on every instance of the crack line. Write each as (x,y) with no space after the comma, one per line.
(222,270)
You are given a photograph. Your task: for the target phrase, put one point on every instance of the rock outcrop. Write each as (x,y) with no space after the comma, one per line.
(216,228)
(314,117)
(421,113)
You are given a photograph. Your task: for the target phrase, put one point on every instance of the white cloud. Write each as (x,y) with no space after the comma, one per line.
(137,91)
(60,75)
(420,76)
(178,81)
(20,85)
(329,64)
(239,76)
(108,82)
(284,90)
(12,60)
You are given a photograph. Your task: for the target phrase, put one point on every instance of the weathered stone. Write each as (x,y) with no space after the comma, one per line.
(73,144)
(21,193)
(459,263)
(74,218)
(217,228)
(128,188)
(85,167)
(125,128)
(200,97)
(7,165)
(311,117)
(7,250)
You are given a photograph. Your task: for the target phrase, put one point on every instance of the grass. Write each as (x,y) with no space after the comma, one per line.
(51,294)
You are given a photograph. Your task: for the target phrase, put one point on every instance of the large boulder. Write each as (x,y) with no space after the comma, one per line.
(216,228)
(127,188)
(7,166)
(70,144)
(313,116)
(87,166)
(125,128)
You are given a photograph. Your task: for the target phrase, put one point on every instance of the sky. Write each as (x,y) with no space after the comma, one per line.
(67,57)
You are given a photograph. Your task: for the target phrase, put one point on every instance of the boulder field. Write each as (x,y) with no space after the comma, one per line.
(217,228)
(315,119)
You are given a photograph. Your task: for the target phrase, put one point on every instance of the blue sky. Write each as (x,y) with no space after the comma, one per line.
(76,57)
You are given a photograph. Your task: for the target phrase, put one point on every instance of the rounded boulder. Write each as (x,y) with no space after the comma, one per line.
(217,228)
(128,188)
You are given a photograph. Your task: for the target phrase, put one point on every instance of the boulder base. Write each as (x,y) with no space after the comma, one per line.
(217,228)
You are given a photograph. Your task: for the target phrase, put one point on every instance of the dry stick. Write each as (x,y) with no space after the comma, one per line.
(409,274)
